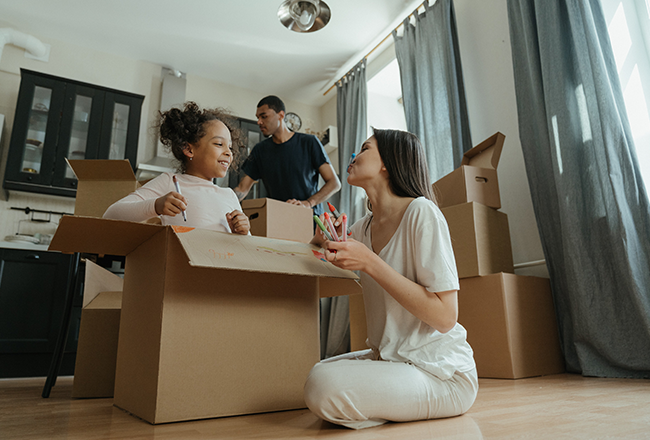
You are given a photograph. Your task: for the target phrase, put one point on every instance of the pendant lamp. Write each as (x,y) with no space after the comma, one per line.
(304,15)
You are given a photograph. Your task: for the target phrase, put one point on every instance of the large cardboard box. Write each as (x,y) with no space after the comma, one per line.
(476,179)
(275,219)
(100,184)
(511,325)
(480,237)
(212,324)
(94,373)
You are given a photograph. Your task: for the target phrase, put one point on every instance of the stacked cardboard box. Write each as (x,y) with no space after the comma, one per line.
(510,319)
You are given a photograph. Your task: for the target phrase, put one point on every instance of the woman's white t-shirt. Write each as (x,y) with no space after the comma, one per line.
(421,251)
(207,203)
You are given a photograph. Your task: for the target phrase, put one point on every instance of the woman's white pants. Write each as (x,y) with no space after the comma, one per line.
(355,391)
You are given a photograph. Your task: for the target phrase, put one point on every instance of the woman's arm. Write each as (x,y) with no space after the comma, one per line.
(437,309)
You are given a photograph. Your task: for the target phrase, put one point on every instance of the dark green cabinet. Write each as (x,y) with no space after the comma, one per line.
(58,118)
(33,288)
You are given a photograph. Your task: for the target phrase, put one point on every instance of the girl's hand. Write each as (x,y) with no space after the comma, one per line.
(350,255)
(238,222)
(170,204)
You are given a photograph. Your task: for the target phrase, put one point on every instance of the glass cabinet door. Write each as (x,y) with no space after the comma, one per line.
(40,100)
(120,127)
(80,131)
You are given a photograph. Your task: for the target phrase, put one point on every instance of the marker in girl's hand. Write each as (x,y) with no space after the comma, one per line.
(330,225)
(344,218)
(178,190)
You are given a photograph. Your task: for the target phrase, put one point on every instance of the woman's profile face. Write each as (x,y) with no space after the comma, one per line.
(367,164)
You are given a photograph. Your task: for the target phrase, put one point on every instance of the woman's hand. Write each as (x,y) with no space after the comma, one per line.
(350,255)
(238,222)
(170,204)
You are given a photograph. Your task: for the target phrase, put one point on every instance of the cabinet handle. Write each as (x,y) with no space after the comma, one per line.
(32,257)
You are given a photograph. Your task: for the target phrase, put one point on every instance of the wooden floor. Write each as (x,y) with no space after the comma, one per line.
(551,407)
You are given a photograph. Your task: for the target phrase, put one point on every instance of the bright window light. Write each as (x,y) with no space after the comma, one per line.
(584,113)
(620,37)
(556,138)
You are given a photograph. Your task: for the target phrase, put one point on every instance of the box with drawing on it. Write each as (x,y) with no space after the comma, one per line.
(476,179)
(276,219)
(212,324)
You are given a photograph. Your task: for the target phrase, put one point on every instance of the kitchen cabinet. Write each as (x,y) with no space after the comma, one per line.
(58,118)
(33,287)
(253,136)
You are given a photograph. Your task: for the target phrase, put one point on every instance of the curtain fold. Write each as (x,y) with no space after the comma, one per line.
(432,86)
(589,199)
(351,121)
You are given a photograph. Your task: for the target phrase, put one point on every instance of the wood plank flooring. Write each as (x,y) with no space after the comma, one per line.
(552,407)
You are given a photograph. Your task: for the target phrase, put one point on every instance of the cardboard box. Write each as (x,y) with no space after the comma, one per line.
(511,325)
(212,324)
(100,184)
(94,374)
(476,179)
(480,237)
(358,323)
(275,219)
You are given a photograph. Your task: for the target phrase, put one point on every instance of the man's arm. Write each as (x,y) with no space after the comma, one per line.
(244,187)
(332,184)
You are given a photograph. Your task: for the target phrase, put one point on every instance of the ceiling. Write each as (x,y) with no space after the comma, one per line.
(235,42)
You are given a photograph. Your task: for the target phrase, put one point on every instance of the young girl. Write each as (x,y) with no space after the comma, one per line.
(202,141)
(419,365)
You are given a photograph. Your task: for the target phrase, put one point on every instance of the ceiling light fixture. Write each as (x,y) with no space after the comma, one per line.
(304,15)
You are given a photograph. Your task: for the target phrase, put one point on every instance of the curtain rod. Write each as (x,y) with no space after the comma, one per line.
(374,48)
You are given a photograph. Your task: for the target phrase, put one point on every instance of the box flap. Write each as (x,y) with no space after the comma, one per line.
(106,300)
(487,153)
(96,280)
(260,254)
(97,169)
(100,236)
(253,203)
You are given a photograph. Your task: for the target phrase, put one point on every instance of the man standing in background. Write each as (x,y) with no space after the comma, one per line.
(288,163)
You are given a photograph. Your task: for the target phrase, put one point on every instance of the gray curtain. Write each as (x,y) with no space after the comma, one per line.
(590,202)
(432,86)
(351,121)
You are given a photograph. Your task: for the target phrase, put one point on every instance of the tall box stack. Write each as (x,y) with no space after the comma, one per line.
(510,319)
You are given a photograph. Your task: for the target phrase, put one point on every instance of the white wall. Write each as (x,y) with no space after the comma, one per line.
(103,69)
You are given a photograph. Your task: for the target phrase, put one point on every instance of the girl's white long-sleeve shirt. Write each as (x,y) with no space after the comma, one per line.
(207,203)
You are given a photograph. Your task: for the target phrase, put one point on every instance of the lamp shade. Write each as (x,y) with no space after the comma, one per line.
(304,15)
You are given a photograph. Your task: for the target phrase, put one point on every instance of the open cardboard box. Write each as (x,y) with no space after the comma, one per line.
(476,179)
(511,325)
(100,184)
(480,237)
(275,219)
(94,373)
(212,324)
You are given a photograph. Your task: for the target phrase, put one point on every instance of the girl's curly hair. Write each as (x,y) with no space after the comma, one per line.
(180,127)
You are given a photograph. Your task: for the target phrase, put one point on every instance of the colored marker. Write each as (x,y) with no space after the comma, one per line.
(178,190)
(328,219)
(345,226)
(322,227)
(351,161)
(334,211)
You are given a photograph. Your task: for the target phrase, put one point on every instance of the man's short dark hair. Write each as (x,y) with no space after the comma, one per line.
(273,102)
